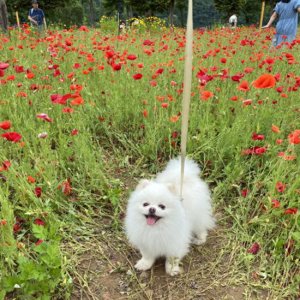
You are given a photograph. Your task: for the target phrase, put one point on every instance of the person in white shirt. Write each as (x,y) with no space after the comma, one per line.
(233,21)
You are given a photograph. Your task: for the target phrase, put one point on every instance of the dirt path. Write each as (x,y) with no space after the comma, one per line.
(104,270)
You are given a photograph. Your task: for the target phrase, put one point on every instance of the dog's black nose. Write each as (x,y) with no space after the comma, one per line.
(152,210)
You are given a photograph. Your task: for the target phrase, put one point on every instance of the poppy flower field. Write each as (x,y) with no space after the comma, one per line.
(77,105)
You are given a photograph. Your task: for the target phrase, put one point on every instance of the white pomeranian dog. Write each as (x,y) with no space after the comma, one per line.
(160,224)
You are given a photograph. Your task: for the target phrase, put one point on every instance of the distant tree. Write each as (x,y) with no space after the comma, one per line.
(228,7)
(250,11)
(3,16)
(205,13)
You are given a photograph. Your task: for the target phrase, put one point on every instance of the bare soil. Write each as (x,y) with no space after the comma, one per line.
(104,270)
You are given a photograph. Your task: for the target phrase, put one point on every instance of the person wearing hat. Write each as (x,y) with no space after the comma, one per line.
(36,16)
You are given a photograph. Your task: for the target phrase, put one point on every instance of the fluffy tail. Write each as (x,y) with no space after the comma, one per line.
(173,170)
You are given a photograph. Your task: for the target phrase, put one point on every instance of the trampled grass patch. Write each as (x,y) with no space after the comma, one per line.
(77,106)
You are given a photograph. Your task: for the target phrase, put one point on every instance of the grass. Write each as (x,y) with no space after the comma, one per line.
(63,197)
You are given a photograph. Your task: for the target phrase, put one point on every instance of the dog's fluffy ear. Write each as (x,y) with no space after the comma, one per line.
(142,184)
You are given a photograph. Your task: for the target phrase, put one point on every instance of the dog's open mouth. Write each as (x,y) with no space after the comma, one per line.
(152,219)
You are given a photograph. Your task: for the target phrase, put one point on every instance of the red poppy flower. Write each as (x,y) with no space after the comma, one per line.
(10,77)
(275,129)
(257,137)
(12,136)
(5,125)
(205,95)
(275,203)
(19,69)
(38,192)
(289,157)
(68,110)
(247,102)
(148,43)
(39,242)
(174,119)
(17,227)
(159,71)
(291,211)
(3,65)
(254,248)
(137,76)
(248,70)
(294,137)
(3,222)
(116,67)
(244,86)
(279,89)
(237,77)
(244,192)
(280,187)
(265,81)
(204,78)
(44,117)
(66,187)
(30,75)
(77,101)
(30,179)
(83,28)
(39,222)
(74,132)
(254,151)
(131,57)
(153,83)
(5,165)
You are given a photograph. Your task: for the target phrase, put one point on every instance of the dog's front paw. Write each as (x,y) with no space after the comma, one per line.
(144,264)
(172,266)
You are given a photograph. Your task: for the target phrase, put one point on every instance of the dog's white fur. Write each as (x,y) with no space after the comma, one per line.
(181,221)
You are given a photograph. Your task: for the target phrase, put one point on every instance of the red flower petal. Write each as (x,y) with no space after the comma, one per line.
(254,248)
(265,81)
(12,136)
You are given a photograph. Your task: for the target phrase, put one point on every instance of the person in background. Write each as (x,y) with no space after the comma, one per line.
(36,16)
(122,26)
(286,28)
(3,16)
(233,21)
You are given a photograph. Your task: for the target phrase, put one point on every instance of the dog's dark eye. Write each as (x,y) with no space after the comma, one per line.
(161,206)
(145,204)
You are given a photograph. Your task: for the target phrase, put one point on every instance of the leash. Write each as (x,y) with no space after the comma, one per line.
(187,87)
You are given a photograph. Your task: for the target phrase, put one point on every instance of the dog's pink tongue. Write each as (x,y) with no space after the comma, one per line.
(151,220)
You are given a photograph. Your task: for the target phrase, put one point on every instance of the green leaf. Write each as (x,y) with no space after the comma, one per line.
(296,236)
(39,231)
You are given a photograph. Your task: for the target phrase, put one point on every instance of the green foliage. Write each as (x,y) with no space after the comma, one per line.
(70,15)
(125,121)
(36,273)
(109,24)
(229,7)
